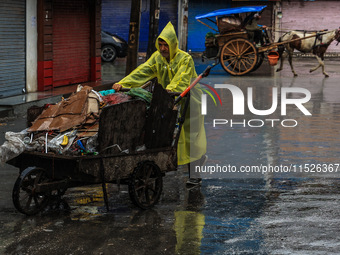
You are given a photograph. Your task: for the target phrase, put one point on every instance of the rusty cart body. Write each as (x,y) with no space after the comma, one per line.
(137,146)
(231,45)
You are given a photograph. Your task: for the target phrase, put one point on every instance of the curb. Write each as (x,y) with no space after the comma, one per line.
(20,107)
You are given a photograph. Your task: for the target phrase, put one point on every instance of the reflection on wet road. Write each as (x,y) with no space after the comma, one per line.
(232,213)
(280,212)
(313,140)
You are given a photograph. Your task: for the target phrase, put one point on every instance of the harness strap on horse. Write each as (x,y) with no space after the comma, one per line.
(318,36)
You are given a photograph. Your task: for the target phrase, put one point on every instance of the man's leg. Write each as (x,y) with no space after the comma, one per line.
(258,37)
(251,36)
(194,170)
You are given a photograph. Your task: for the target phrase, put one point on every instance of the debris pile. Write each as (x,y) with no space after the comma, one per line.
(69,127)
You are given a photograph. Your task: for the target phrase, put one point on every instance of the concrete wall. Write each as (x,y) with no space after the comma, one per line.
(31,46)
(311,15)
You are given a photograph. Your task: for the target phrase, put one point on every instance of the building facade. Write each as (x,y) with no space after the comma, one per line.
(310,15)
(50,43)
(116,18)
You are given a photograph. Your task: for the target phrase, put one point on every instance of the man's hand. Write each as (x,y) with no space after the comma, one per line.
(117,87)
(168,90)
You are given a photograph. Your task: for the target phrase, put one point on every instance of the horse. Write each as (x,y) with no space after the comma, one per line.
(317,45)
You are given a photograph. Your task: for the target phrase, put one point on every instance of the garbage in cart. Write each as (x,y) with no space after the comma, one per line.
(69,127)
(136,140)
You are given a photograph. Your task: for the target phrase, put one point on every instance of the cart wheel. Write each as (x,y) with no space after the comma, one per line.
(146,183)
(238,56)
(25,199)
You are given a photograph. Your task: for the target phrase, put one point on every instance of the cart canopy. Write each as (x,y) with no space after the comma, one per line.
(230,11)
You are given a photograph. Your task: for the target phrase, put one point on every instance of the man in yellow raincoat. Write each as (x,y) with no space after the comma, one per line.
(174,70)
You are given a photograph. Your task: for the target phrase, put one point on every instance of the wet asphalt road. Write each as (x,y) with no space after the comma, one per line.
(232,213)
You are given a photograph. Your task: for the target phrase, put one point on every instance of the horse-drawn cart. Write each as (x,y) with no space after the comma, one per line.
(137,146)
(232,45)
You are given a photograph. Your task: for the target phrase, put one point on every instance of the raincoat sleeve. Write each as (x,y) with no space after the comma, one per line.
(183,76)
(141,74)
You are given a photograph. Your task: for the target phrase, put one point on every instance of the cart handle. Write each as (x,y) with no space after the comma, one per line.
(205,73)
(143,87)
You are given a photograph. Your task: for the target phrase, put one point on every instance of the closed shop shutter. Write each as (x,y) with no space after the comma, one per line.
(316,15)
(12,47)
(71,42)
(116,18)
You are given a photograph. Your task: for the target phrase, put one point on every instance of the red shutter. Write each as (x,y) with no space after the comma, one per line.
(71,42)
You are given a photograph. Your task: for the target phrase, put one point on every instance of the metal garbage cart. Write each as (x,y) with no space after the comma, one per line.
(137,146)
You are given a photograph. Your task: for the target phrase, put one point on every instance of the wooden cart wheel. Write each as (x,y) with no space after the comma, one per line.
(146,183)
(25,199)
(238,56)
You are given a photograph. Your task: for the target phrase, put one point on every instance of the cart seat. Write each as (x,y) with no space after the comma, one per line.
(229,24)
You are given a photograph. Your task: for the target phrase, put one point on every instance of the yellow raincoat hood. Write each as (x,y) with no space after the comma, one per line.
(169,36)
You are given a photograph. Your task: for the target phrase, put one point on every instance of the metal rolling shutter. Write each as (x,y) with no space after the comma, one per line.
(12,47)
(71,42)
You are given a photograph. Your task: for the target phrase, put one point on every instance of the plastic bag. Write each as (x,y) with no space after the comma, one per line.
(141,93)
(14,145)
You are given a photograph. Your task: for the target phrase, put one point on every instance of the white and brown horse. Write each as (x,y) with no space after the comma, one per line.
(317,45)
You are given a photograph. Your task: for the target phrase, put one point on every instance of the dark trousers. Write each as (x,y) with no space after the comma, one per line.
(256,36)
